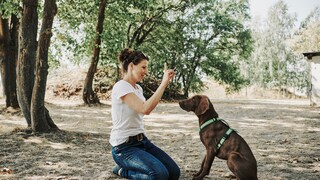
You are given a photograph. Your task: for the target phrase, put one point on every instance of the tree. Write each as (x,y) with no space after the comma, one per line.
(206,38)
(307,38)
(89,96)
(9,54)
(33,64)
(151,17)
(273,61)
(129,24)
(26,57)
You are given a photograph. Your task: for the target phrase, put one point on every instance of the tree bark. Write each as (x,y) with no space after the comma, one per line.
(31,90)
(89,96)
(13,58)
(26,56)
(39,114)
(8,58)
(4,46)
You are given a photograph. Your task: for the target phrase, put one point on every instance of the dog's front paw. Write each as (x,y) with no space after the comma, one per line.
(197,178)
(197,174)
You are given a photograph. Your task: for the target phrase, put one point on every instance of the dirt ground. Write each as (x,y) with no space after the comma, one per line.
(284,136)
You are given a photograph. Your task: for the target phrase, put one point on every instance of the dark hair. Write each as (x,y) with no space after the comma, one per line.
(129,55)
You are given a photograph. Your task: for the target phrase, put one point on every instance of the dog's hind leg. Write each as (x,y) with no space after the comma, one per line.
(241,167)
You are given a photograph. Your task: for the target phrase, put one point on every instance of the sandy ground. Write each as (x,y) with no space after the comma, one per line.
(284,136)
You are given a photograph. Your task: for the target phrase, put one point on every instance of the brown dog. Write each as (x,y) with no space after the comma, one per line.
(232,147)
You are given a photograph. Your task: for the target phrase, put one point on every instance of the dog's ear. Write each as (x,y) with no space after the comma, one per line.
(203,106)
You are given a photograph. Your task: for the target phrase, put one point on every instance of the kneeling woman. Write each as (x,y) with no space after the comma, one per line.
(136,157)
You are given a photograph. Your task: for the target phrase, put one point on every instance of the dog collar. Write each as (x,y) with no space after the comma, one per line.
(210,121)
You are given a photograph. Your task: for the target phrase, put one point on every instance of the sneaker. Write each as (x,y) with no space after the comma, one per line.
(117,170)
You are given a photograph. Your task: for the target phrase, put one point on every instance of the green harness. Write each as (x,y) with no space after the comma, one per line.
(226,134)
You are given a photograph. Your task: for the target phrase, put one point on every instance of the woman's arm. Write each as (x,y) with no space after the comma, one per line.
(146,107)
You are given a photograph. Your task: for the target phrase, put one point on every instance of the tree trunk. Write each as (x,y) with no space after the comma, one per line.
(13,58)
(39,114)
(8,58)
(31,90)
(4,46)
(89,96)
(27,55)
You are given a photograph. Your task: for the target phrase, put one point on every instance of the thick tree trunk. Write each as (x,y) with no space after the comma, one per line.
(4,44)
(31,89)
(39,114)
(13,58)
(89,96)
(27,56)
(8,55)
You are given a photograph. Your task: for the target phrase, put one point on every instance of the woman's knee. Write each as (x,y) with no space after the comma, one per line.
(174,174)
(159,174)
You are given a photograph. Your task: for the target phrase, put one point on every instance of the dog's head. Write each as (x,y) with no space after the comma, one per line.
(199,104)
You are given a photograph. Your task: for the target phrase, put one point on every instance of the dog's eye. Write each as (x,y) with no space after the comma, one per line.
(195,98)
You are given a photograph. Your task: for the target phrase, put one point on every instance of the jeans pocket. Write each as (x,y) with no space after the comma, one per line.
(119,148)
(115,149)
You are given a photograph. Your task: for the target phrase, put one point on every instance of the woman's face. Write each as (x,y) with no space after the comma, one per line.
(140,70)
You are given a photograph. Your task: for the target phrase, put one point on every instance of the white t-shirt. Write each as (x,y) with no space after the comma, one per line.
(126,121)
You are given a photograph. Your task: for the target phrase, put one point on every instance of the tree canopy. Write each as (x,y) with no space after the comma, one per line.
(277,60)
(198,38)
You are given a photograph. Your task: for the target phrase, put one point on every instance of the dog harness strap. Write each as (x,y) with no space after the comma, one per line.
(209,122)
(223,139)
(225,136)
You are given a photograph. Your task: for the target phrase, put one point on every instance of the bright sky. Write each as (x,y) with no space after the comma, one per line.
(301,7)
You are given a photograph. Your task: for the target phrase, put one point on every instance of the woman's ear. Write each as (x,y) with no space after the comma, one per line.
(130,66)
(203,106)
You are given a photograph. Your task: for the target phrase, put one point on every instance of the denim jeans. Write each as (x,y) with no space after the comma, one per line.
(143,160)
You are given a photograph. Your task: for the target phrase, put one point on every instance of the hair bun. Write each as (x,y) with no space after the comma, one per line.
(125,54)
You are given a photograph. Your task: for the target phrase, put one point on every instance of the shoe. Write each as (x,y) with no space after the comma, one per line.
(117,170)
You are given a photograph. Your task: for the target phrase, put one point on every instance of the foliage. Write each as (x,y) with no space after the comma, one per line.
(198,38)
(217,52)
(74,30)
(8,7)
(307,38)
(274,64)
(103,81)
(150,85)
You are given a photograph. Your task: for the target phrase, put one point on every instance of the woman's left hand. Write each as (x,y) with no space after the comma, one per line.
(168,75)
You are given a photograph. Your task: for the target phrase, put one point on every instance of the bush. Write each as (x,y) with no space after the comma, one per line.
(106,77)
(172,92)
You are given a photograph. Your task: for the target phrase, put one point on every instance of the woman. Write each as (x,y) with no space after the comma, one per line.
(136,157)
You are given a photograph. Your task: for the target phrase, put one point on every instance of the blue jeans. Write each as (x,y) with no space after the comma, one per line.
(143,160)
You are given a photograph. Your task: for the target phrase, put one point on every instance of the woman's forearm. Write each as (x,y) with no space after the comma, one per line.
(146,107)
(152,102)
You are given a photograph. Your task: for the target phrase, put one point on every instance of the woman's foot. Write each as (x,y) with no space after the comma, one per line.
(117,170)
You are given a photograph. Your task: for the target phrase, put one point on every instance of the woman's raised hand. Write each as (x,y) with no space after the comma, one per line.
(168,74)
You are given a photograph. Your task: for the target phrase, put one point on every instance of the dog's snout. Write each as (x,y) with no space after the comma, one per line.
(181,103)
(184,105)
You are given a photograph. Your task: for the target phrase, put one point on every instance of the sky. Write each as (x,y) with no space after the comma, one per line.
(301,7)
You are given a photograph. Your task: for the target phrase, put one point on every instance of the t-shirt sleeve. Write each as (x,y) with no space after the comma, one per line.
(121,88)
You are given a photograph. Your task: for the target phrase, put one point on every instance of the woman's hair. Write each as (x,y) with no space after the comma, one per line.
(129,55)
